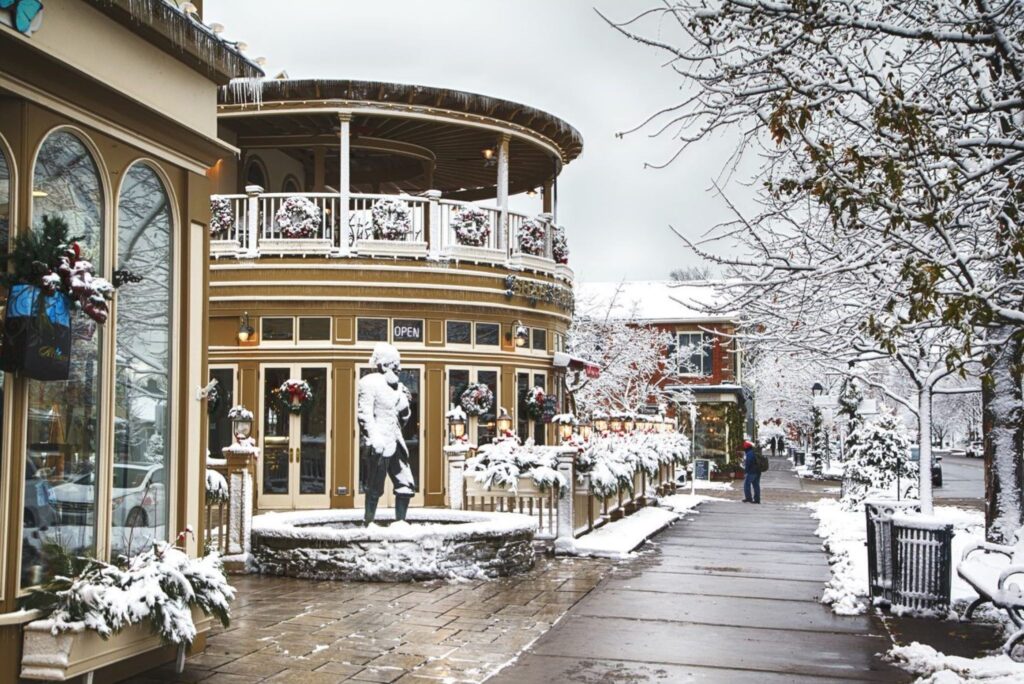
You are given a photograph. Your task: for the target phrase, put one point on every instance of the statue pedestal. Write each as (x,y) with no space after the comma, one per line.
(241,477)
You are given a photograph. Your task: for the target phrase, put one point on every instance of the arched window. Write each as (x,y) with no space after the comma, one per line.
(291,184)
(5,201)
(143,363)
(255,172)
(62,455)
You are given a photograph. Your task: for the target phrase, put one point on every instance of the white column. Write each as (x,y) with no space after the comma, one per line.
(344,182)
(456,457)
(503,191)
(252,219)
(565,540)
(435,229)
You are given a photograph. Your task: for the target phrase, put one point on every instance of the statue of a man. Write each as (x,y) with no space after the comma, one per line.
(382,408)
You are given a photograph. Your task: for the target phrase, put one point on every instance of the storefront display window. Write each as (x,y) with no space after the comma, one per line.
(63,430)
(140,506)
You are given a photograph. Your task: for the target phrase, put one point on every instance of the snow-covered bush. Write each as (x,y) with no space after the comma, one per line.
(216,488)
(559,246)
(477,399)
(502,463)
(878,459)
(159,586)
(612,460)
(298,218)
(390,219)
(471,226)
(821,445)
(531,237)
(222,220)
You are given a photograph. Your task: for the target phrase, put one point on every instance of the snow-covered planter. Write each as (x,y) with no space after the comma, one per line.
(532,237)
(533,402)
(390,219)
(216,488)
(293,395)
(507,465)
(559,246)
(298,218)
(613,461)
(471,226)
(158,588)
(222,219)
(477,399)
(446,544)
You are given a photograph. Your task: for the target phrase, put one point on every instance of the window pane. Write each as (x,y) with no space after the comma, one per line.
(372,329)
(458,381)
(407,330)
(487,334)
(219,424)
(522,420)
(277,329)
(5,204)
(142,376)
(708,347)
(459,332)
(540,339)
(63,429)
(313,439)
(314,329)
(486,422)
(539,436)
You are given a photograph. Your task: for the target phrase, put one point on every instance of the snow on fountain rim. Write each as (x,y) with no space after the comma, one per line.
(457,525)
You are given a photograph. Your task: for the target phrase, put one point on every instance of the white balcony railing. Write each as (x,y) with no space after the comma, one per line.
(253,231)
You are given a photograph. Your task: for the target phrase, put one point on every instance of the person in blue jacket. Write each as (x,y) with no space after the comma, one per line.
(752,475)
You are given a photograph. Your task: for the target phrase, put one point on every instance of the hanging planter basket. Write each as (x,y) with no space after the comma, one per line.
(37,334)
(293,396)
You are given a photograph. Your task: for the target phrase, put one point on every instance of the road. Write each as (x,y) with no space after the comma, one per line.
(962,478)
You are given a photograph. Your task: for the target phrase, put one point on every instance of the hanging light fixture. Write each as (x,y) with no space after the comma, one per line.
(519,334)
(488,153)
(245,330)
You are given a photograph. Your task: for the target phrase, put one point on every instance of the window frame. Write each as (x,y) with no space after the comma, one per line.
(7,471)
(460,345)
(476,345)
(707,354)
(387,329)
(278,343)
(543,350)
(297,329)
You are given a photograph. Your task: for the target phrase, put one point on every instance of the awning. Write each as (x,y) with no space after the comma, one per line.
(563,360)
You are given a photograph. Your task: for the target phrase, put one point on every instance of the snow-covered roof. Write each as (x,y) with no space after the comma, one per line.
(654,301)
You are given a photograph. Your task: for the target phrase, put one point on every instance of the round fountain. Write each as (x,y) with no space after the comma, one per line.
(433,544)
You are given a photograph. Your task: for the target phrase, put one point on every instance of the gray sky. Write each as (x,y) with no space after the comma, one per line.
(557,55)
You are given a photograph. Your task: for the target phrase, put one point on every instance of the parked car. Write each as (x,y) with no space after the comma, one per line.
(39,499)
(915,456)
(138,497)
(976,449)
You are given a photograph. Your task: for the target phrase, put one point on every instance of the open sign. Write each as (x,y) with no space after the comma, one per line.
(407,330)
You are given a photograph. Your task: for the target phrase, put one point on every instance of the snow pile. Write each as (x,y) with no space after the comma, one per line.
(502,463)
(618,539)
(613,460)
(938,668)
(159,586)
(845,539)
(684,503)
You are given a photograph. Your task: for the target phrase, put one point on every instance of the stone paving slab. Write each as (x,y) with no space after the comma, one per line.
(742,587)
(731,566)
(763,613)
(700,541)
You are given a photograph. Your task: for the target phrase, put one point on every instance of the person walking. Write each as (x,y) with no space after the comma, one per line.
(751,475)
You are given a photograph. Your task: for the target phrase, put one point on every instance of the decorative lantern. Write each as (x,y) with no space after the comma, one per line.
(241,423)
(586,431)
(644,425)
(565,430)
(615,424)
(629,425)
(520,334)
(504,423)
(601,425)
(817,390)
(245,330)
(456,427)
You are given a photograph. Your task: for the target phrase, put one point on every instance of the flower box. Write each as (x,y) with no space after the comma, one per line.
(468,253)
(533,263)
(73,653)
(301,246)
(391,248)
(219,248)
(525,487)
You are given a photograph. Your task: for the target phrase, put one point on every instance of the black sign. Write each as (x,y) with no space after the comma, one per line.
(702,469)
(550,409)
(649,410)
(407,330)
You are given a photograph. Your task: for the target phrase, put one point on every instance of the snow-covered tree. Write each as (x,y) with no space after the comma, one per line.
(821,443)
(633,356)
(878,462)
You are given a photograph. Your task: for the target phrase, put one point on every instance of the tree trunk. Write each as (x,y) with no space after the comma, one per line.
(1001,399)
(924,444)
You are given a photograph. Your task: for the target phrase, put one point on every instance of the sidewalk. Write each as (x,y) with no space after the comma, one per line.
(729,595)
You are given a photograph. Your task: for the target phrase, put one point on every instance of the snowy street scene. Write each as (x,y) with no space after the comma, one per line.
(518,341)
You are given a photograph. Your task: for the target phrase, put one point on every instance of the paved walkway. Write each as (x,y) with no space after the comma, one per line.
(730,595)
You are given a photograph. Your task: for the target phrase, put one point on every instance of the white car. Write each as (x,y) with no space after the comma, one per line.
(138,499)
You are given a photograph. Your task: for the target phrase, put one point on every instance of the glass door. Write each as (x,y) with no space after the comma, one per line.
(412,433)
(295,468)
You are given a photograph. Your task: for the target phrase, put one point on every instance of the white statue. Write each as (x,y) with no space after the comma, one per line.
(382,408)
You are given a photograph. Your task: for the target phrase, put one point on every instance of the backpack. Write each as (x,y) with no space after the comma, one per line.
(762,462)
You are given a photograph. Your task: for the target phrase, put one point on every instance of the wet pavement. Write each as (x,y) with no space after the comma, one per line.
(729,595)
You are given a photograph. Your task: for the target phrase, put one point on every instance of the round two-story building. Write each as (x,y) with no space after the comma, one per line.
(365,212)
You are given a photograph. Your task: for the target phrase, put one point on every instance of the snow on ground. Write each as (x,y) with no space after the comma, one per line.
(938,668)
(833,471)
(845,537)
(683,503)
(710,484)
(617,539)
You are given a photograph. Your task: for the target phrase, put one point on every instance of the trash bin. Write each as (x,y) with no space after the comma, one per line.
(878,513)
(799,457)
(922,561)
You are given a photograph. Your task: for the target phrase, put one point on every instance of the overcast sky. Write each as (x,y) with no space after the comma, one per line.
(557,55)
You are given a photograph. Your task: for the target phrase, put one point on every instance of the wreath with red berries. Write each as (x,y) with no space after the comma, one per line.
(533,402)
(293,396)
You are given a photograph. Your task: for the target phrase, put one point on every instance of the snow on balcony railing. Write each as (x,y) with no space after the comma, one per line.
(253,229)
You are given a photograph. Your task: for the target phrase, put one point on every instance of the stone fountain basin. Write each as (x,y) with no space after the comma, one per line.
(436,544)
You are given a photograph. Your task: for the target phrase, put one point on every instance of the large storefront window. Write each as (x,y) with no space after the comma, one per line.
(142,376)
(62,442)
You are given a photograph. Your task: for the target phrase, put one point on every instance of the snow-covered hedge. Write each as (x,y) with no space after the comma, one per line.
(502,464)
(611,461)
(159,586)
